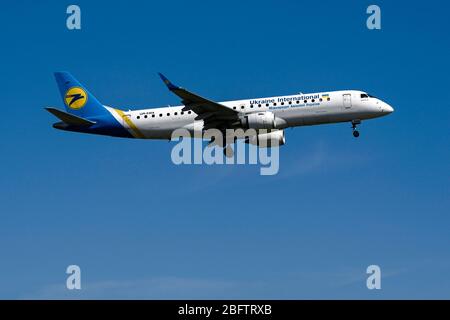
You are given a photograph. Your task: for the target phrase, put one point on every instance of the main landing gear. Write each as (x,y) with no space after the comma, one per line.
(227,148)
(228,151)
(354,124)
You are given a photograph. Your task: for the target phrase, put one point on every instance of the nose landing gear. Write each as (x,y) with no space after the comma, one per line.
(354,124)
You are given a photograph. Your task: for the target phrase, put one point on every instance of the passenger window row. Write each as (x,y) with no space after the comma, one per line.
(242,107)
(282,103)
(168,114)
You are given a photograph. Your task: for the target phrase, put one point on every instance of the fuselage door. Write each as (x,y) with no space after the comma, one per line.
(347,99)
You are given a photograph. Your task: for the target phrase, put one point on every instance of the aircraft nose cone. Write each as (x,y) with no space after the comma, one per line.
(387,109)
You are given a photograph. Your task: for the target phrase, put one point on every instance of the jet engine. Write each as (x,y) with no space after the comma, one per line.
(274,138)
(262,120)
(259,120)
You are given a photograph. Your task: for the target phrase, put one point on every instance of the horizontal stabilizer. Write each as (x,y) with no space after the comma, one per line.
(70,118)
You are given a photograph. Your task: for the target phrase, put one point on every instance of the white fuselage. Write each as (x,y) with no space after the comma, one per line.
(290,111)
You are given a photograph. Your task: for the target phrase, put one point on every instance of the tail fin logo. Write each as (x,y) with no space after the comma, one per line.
(75,98)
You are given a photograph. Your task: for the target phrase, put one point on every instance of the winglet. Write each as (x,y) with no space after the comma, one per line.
(169,84)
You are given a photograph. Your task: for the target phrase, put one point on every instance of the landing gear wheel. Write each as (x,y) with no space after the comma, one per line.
(228,151)
(354,124)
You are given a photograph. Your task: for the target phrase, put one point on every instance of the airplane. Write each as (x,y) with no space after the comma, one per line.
(269,116)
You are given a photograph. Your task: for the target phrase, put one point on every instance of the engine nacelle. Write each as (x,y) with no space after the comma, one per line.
(263,120)
(266,140)
(260,120)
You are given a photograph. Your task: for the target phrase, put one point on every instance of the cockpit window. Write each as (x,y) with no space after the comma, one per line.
(371,96)
(364,96)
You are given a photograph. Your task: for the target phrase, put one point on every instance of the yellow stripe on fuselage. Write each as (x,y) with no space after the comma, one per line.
(134,130)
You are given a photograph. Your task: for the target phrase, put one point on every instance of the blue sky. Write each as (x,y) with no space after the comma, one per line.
(141,227)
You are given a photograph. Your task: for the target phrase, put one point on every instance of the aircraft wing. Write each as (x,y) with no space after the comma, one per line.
(213,114)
